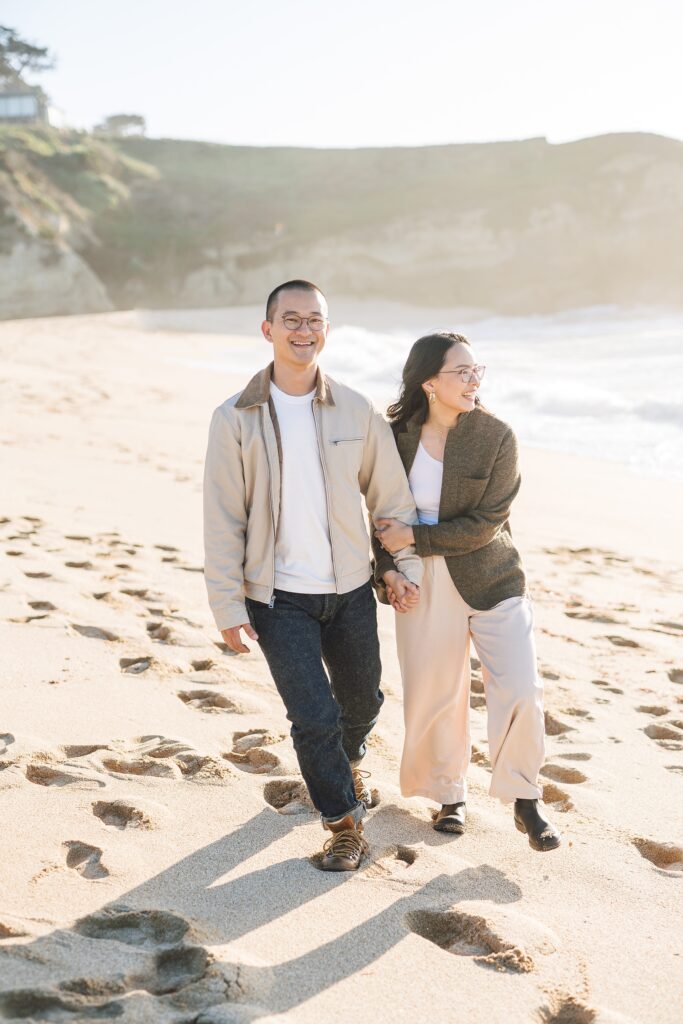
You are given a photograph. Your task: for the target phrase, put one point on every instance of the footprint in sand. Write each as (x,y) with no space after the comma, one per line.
(121,814)
(38,575)
(652,709)
(607,687)
(563,773)
(621,641)
(79,565)
(42,606)
(657,731)
(135,666)
(568,1009)
(575,757)
(44,774)
(141,766)
(164,963)
(85,859)
(288,796)
(207,700)
(158,631)
(81,749)
(94,632)
(578,713)
(391,862)
(554,727)
(676,675)
(477,702)
(503,940)
(203,664)
(595,616)
(556,798)
(248,753)
(666,856)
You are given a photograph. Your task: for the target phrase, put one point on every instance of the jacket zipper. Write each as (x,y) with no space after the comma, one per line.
(327,492)
(271,602)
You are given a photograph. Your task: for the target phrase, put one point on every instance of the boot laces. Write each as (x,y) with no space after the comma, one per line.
(347,843)
(359,786)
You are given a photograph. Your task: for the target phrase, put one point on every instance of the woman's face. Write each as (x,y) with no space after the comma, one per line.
(451,392)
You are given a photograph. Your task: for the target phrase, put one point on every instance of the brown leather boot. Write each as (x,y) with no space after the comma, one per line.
(362,791)
(344,850)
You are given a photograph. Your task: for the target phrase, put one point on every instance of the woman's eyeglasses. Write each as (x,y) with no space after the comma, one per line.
(468,372)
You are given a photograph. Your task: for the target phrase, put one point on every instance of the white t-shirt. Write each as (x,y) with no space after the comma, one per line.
(303,554)
(426,474)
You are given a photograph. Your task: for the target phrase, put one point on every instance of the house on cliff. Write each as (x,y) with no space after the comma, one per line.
(22,104)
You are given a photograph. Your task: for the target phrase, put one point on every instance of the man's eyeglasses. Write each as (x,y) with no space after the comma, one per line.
(468,372)
(293,322)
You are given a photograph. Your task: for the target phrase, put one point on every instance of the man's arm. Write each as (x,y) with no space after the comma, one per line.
(225,523)
(384,483)
(477,528)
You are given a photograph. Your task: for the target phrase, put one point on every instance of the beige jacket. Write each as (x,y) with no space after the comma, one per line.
(242,492)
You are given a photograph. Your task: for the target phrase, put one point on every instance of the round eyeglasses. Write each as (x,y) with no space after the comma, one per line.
(293,322)
(467,373)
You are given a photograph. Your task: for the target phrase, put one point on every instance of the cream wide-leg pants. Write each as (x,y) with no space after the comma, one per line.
(433,642)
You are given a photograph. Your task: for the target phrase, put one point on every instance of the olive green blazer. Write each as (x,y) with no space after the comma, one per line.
(480,480)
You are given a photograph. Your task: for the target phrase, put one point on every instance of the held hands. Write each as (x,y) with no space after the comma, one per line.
(403,595)
(393,534)
(233,639)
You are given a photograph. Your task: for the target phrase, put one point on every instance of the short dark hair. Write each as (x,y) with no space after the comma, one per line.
(289,286)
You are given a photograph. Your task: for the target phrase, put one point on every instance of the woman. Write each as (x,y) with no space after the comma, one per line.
(463,470)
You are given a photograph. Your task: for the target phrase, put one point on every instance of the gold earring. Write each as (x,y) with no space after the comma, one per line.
(432,396)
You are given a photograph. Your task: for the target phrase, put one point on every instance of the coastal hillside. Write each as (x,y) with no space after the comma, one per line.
(517,227)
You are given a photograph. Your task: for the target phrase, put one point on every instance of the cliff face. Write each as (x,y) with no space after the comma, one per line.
(513,227)
(53,187)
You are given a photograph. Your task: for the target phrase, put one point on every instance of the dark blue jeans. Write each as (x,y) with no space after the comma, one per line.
(332,713)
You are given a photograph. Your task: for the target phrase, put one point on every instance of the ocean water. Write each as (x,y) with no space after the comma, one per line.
(594,382)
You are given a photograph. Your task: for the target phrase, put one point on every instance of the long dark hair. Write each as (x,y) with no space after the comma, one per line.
(424,361)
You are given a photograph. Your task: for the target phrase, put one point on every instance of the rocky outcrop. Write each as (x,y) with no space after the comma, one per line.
(42,279)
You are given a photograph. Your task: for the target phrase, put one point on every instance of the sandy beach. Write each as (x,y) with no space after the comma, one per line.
(156,833)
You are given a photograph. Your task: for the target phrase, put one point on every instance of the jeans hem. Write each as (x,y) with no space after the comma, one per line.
(357,812)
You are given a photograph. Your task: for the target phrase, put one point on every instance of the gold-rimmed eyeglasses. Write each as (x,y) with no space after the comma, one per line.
(293,322)
(467,373)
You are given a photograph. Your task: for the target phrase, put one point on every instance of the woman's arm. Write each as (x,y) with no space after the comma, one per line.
(477,528)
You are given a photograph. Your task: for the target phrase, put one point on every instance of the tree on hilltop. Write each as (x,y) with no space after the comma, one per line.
(122,125)
(17,56)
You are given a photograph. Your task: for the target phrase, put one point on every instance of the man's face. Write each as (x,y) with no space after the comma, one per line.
(297,347)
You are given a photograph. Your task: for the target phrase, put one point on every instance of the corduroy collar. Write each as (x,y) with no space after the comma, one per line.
(257,391)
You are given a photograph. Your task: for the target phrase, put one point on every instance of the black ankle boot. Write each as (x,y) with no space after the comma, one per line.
(451,818)
(529,819)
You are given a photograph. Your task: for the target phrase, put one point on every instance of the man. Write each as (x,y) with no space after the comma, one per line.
(287,551)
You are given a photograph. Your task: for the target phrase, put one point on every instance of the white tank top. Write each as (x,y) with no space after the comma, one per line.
(425,479)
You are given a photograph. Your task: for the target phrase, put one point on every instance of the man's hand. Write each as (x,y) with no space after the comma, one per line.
(393,534)
(403,595)
(233,639)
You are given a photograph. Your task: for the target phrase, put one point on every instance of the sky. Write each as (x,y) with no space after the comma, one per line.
(365,72)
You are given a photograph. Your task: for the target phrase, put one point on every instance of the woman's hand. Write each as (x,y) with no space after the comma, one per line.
(403,595)
(393,534)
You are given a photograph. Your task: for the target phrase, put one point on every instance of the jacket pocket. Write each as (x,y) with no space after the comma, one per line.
(471,490)
(346,440)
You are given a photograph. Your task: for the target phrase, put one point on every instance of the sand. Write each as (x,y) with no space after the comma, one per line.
(156,836)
